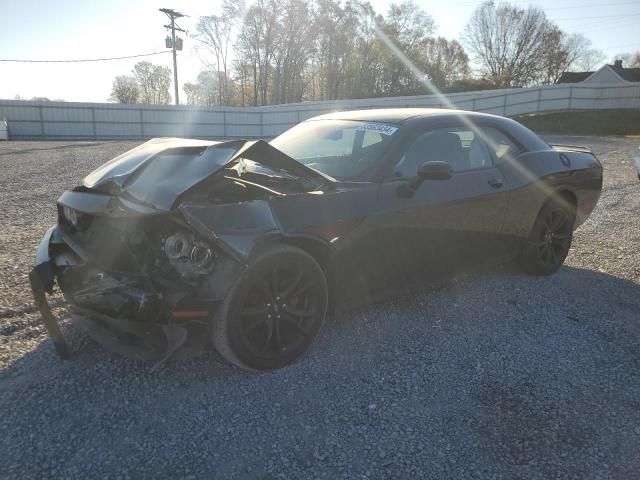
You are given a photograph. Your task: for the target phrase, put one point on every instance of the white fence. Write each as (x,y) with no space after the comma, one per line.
(66,120)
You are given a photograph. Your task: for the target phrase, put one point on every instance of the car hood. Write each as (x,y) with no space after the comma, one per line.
(159,171)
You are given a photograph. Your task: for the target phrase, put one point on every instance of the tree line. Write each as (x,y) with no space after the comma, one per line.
(282,51)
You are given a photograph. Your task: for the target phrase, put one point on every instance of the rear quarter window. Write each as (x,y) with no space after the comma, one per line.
(500,144)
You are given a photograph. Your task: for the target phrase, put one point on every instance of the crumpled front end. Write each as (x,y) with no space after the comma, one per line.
(151,243)
(144,286)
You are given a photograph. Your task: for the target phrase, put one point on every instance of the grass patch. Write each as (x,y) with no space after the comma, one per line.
(584,122)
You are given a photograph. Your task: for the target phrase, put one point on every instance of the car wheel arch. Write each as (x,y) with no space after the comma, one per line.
(562,193)
(564,196)
(324,255)
(318,249)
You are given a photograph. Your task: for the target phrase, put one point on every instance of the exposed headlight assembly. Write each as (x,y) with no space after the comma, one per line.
(201,256)
(188,255)
(177,246)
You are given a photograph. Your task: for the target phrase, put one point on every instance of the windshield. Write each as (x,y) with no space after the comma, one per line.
(342,149)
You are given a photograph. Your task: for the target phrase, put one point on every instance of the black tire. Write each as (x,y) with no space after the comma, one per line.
(274,313)
(550,239)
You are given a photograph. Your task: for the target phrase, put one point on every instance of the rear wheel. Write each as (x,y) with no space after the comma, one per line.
(275,312)
(550,239)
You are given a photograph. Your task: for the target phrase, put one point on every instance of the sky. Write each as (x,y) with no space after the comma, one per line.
(75,29)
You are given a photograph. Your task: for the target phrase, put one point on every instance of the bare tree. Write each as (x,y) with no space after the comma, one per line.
(513,45)
(629,60)
(569,53)
(215,32)
(446,61)
(255,47)
(293,47)
(125,89)
(205,90)
(408,27)
(365,64)
(280,51)
(154,82)
(556,59)
(334,33)
(582,55)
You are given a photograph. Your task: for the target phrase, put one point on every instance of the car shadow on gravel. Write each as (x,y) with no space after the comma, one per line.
(581,294)
(496,373)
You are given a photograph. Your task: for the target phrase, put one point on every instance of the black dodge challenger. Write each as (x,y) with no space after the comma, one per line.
(248,244)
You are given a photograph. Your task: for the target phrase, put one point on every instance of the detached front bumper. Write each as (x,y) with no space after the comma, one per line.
(133,338)
(42,279)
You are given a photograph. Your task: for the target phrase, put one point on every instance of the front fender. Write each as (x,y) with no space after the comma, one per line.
(236,228)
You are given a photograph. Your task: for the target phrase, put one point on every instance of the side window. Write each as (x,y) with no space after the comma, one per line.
(460,147)
(500,145)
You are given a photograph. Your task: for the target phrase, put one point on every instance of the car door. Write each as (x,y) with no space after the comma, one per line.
(445,225)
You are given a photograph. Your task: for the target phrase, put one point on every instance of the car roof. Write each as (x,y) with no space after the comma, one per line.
(422,117)
(396,115)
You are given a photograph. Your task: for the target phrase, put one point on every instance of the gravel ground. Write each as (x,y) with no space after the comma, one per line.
(493,375)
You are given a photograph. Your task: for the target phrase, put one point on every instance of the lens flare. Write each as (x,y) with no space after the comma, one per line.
(424,79)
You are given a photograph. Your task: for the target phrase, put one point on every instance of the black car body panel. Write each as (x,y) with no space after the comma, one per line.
(158,173)
(124,247)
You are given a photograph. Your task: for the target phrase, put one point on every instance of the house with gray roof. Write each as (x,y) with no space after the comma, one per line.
(607,74)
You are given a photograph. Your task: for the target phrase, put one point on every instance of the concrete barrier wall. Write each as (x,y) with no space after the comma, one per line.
(67,120)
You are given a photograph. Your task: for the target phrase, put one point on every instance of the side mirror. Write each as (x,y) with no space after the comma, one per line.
(428,171)
(434,171)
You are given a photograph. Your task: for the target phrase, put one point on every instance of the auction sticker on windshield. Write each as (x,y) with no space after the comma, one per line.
(378,127)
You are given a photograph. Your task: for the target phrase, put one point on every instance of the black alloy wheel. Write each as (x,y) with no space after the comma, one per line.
(550,238)
(274,314)
(554,238)
(279,312)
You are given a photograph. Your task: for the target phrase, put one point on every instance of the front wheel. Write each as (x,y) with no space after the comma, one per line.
(550,239)
(274,313)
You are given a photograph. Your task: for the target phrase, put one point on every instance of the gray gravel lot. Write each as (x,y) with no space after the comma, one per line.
(492,375)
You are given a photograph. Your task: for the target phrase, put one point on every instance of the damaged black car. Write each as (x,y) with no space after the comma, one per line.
(247,245)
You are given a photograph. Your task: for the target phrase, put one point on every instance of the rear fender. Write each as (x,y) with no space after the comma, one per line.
(535,177)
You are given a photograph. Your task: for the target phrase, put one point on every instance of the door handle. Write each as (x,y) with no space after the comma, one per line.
(496,182)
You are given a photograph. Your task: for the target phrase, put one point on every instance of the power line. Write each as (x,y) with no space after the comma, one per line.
(82,60)
(603,23)
(467,3)
(622,46)
(590,5)
(600,26)
(597,17)
(592,25)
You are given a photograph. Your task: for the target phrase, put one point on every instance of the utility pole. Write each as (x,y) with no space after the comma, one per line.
(172,14)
